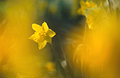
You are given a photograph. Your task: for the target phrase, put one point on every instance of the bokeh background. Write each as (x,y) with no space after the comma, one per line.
(21,58)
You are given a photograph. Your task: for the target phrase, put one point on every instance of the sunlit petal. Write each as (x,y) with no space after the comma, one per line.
(36,27)
(42,44)
(51,33)
(34,37)
(45,26)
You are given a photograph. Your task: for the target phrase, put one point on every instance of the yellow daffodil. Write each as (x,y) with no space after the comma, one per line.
(42,35)
(85,5)
(96,17)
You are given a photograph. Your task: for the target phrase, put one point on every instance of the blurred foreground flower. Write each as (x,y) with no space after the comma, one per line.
(96,17)
(42,35)
(85,5)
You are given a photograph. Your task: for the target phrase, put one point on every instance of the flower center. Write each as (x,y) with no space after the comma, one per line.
(42,36)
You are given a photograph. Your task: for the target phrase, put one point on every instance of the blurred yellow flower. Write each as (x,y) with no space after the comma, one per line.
(85,5)
(96,17)
(42,35)
(50,67)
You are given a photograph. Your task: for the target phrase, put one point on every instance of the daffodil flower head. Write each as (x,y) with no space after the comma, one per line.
(42,35)
(96,17)
(85,5)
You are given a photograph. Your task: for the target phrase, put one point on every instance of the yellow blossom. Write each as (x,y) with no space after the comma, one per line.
(42,35)
(96,17)
(85,5)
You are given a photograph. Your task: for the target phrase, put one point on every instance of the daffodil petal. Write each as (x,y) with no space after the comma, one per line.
(42,44)
(51,33)
(91,11)
(45,26)
(85,6)
(34,37)
(36,27)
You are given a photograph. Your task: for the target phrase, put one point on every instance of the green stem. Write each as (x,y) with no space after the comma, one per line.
(58,63)
(71,75)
